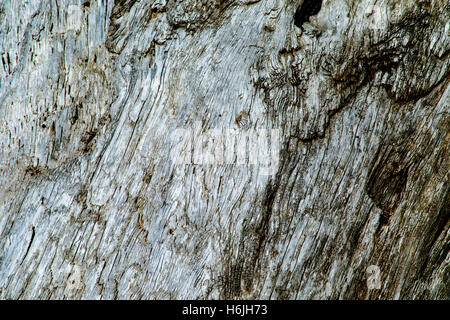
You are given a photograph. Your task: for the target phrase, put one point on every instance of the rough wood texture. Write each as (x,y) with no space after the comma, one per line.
(93,204)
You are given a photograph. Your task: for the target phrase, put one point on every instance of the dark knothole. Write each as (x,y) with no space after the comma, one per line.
(307,9)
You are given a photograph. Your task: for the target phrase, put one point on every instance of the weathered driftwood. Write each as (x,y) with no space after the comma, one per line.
(99,98)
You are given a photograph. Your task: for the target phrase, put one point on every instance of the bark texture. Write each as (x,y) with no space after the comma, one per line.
(93,206)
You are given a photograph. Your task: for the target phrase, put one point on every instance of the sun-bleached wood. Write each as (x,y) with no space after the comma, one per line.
(93,206)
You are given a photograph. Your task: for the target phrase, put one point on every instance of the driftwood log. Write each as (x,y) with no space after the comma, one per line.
(238,149)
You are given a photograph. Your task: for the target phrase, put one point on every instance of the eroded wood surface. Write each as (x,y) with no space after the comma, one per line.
(92,205)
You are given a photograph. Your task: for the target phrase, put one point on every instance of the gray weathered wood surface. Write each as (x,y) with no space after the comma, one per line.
(93,204)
